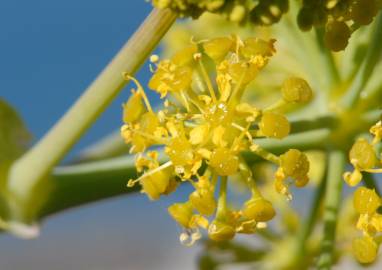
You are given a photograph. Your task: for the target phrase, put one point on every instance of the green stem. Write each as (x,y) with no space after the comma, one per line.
(312,139)
(90,181)
(308,224)
(366,70)
(222,202)
(336,163)
(36,164)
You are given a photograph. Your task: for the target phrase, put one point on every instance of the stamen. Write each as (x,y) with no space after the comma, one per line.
(183,95)
(132,182)
(373,170)
(264,154)
(275,106)
(207,80)
(236,92)
(140,89)
(237,140)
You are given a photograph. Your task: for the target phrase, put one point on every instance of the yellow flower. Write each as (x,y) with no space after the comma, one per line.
(202,124)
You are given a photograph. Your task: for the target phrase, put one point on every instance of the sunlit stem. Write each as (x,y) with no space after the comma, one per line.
(333,191)
(38,162)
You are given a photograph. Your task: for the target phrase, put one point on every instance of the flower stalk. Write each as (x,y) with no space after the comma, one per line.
(336,163)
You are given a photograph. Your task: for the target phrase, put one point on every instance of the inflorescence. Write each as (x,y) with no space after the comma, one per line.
(338,18)
(204,127)
(261,12)
(363,156)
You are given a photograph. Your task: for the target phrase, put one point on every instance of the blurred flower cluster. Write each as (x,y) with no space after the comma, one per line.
(363,156)
(340,18)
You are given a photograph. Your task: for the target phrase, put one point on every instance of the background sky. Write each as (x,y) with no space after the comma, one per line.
(50,51)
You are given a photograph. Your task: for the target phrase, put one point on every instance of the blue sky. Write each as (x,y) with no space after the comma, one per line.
(49,52)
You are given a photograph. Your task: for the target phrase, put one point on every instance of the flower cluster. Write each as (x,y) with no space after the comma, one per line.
(204,127)
(363,157)
(261,12)
(340,18)
(366,203)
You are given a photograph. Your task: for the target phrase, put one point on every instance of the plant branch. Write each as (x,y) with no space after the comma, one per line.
(37,163)
(336,163)
(308,224)
(74,185)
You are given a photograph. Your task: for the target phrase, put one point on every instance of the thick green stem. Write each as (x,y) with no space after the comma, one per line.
(76,185)
(36,164)
(367,67)
(336,163)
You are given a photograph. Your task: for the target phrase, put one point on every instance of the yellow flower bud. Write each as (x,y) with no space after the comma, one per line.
(182,213)
(366,201)
(203,200)
(274,125)
(220,231)
(295,89)
(180,151)
(365,249)
(295,164)
(362,154)
(156,184)
(259,209)
(224,161)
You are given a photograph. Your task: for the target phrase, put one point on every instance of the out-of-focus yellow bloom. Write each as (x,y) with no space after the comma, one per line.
(363,156)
